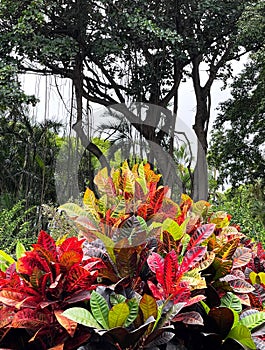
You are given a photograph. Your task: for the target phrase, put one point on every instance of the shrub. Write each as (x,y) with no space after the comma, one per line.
(15,225)
(145,272)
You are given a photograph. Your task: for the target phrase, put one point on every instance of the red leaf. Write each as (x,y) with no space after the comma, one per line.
(31,319)
(170,271)
(78,296)
(43,253)
(72,243)
(170,208)
(17,299)
(93,264)
(241,286)
(45,282)
(70,258)
(47,242)
(201,234)
(142,211)
(194,300)
(241,257)
(192,318)
(157,199)
(157,292)
(6,316)
(259,292)
(27,263)
(191,257)
(156,265)
(79,278)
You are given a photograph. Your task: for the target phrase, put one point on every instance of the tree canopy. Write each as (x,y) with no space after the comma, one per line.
(115,52)
(238,146)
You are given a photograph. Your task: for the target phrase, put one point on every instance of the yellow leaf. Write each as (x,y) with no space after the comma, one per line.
(253,277)
(118,314)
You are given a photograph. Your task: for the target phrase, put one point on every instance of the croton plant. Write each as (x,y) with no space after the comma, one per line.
(144,272)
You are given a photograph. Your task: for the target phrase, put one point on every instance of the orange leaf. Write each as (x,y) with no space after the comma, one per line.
(57,347)
(67,324)
(69,258)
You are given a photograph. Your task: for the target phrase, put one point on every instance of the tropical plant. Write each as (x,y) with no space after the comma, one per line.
(35,290)
(145,271)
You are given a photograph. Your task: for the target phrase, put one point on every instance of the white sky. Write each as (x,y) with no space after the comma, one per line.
(52,107)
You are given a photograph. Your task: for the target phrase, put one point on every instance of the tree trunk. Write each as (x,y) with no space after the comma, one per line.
(200,175)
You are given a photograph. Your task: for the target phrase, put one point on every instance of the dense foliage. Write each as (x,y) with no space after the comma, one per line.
(237,147)
(145,271)
(16,224)
(246,205)
(27,154)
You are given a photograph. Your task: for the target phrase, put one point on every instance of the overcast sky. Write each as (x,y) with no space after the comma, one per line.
(52,107)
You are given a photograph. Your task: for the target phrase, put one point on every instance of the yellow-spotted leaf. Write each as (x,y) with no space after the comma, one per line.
(228,250)
(89,201)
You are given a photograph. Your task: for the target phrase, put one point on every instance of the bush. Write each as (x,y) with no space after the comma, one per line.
(144,272)
(246,210)
(15,224)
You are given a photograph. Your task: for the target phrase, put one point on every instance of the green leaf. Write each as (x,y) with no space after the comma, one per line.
(118,314)
(133,307)
(102,204)
(119,209)
(117,299)
(89,201)
(142,222)
(100,309)
(4,257)
(81,316)
(184,241)
(20,250)
(242,335)
(40,161)
(253,320)
(232,301)
(205,306)
(73,210)
(128,180)
(177,231)
(141,180)
(159,314)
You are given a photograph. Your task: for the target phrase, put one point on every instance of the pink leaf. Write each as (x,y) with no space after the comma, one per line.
(191,257)
(156,265)
(202,233)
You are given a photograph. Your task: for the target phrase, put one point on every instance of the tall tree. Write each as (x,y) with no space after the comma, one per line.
(115,52)
(238,147)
